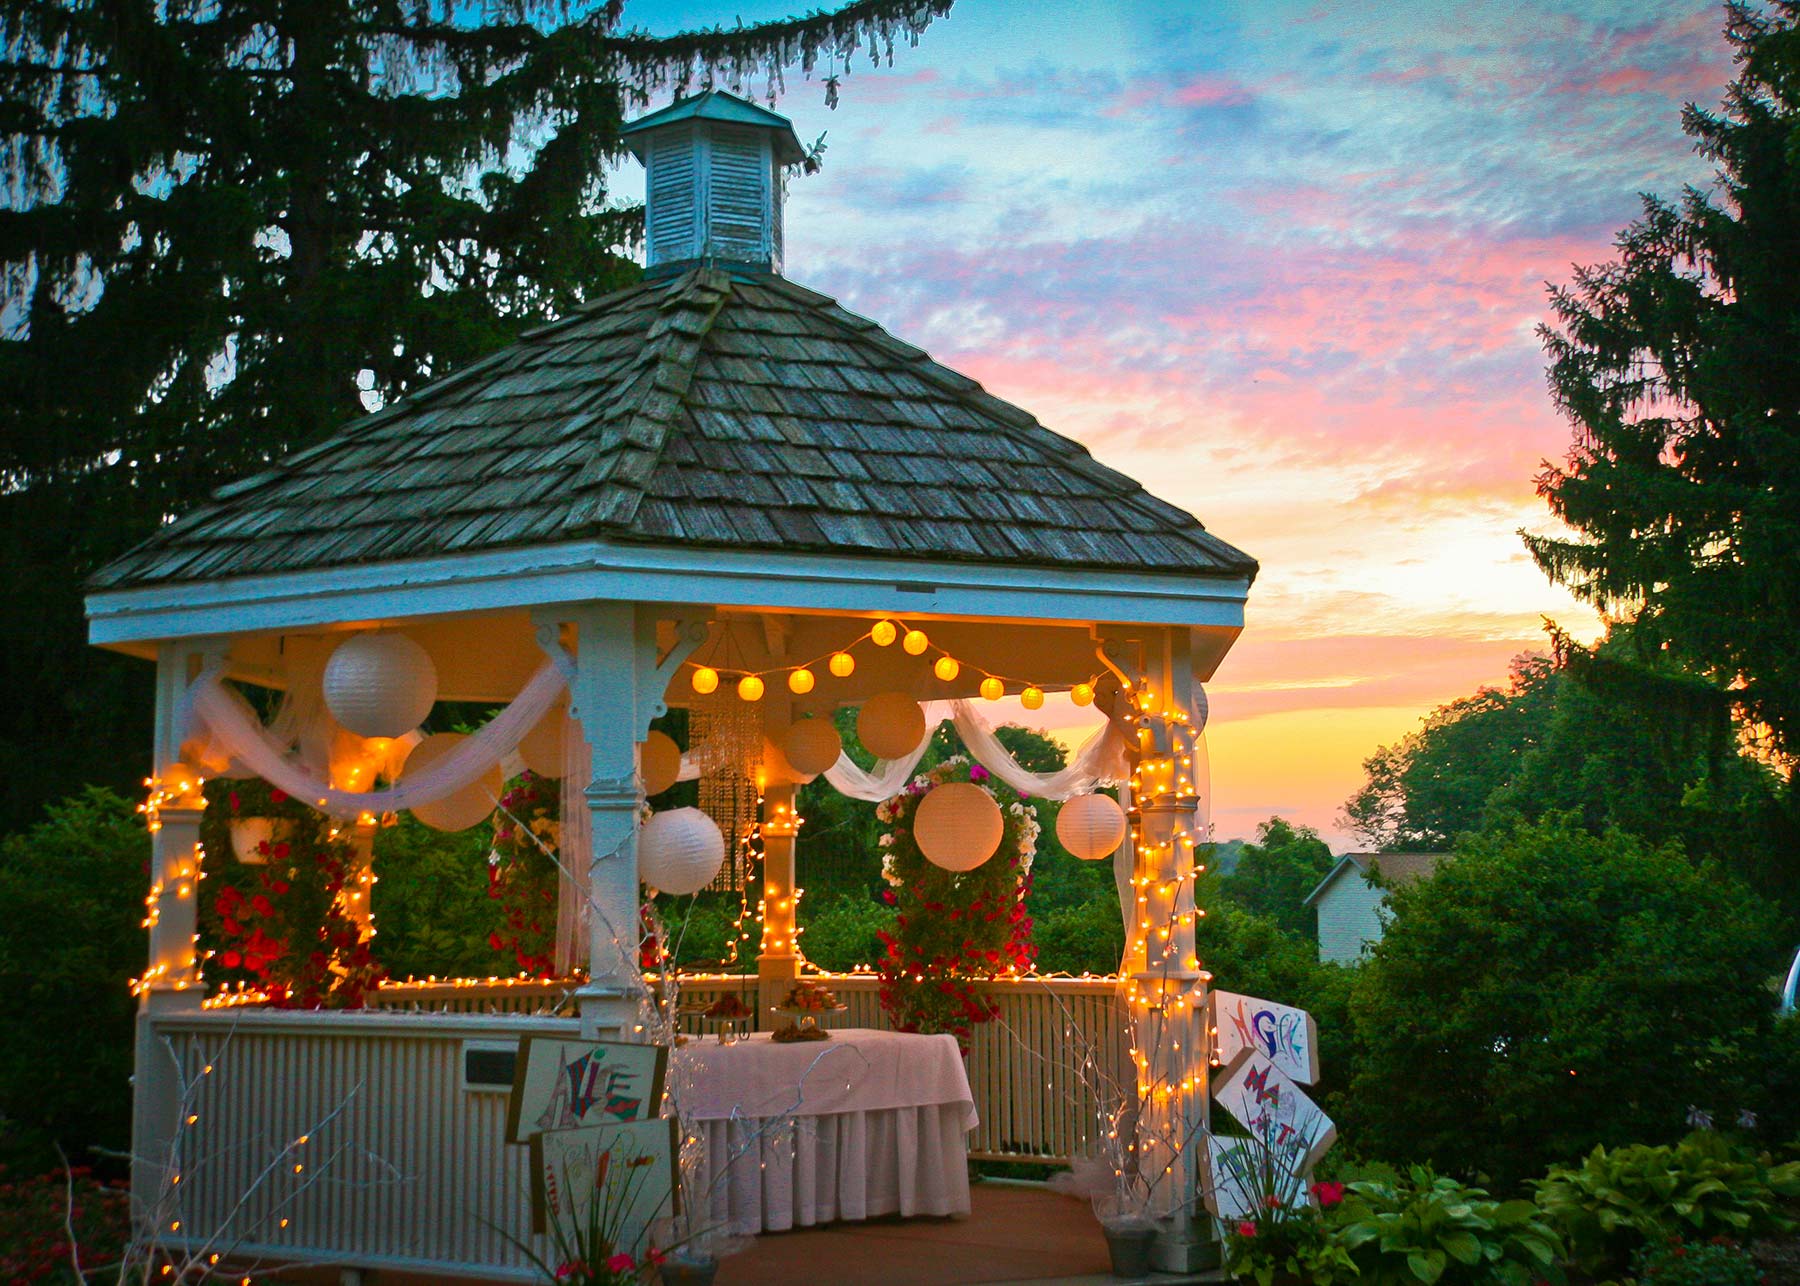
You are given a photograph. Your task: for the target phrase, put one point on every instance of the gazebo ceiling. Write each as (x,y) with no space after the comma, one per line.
(705,410)
(488,656)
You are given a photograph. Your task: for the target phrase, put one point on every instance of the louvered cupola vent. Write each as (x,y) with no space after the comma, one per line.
(712,192)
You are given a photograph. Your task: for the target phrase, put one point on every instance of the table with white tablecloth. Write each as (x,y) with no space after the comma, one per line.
(867,1123)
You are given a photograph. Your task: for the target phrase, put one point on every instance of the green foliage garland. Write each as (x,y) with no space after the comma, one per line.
(951,928)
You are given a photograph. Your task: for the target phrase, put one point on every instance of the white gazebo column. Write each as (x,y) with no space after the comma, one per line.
(1167,987)
(603,696)
(171,982)
(778,962)
(620,673)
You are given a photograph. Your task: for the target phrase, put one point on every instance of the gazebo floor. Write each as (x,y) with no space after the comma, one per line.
(1019,1233)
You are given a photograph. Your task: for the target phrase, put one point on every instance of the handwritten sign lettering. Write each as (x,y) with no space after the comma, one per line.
(1286,1036)
(1287,1129)
(561,1084)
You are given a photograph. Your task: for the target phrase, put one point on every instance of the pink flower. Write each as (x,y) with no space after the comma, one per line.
(620,1263)
(565,1270)
(1329,1194)
(1246,1229)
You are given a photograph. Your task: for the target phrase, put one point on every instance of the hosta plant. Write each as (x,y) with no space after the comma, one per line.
(1425,1229)
(1615,1202)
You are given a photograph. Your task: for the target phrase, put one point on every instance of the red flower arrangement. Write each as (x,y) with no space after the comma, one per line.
(953,929)
(281,926)
(522,877)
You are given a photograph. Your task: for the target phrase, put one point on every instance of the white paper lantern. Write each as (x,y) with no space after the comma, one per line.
(380,685)
(812,746)
(680,851)
(542,748)
(1091,826)
(460,809)
(659,762)
(775,770)
(958,826)
(891,725)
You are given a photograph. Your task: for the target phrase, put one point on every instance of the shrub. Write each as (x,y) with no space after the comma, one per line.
(1427,1228)
(841,932)
(1549,990)
(431,906)
(72,892)
(1615,1202)
(1719,1262)
(1088,938)
(36,1214)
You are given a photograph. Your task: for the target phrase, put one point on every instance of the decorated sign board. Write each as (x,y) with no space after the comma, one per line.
(1241,1175)
(1288,1131)
(572,1169)
(591,1113)
(565,1084)
(1286,1036)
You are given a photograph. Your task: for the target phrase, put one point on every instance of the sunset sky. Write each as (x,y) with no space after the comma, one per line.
(1281,262)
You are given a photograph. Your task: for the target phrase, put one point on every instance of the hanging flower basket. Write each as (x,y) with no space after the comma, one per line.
(253,837)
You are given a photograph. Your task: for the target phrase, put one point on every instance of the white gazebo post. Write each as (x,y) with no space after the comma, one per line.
(621,672)
(171,981)
(1167,987)
(778,962)
(604,697)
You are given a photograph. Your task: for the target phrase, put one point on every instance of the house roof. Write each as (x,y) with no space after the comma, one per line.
(1395,868)
(717,105)
(703,409)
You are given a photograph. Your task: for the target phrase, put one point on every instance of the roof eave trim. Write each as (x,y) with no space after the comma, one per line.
(598,570)
(1330,879)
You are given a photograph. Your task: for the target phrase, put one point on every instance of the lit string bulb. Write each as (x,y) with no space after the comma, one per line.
(800,681)
(706,680)
(946,669)
(883,633)
(915,643)
(842,664)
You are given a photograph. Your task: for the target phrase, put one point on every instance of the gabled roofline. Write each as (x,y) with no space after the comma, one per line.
(602,570)
(1369,864)
(1348,859)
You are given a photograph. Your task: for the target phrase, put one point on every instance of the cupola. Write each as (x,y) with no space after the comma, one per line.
(712,190)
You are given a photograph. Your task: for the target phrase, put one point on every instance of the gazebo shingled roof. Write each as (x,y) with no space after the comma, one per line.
(704,409)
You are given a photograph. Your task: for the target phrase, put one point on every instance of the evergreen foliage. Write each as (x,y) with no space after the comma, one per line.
(227,227)
(1679,366)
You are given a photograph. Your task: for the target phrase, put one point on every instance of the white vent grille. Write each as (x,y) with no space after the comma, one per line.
(739,205)
(671,208)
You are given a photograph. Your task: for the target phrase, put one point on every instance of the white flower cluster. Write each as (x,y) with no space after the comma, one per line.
(1029,830)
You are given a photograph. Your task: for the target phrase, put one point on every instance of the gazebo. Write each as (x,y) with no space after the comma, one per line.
(714,470)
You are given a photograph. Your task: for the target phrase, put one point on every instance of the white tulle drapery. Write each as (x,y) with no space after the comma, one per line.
(228,722)
(1102,761)
(574,851)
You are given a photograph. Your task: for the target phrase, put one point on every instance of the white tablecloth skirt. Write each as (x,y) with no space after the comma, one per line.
(800,1171)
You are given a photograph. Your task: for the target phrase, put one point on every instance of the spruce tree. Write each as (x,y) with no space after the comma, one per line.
(1679,366)
(227,226)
